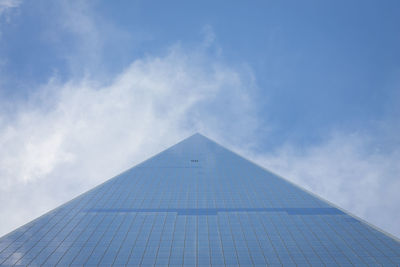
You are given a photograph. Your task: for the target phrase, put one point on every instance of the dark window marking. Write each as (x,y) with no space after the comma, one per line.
(200,211)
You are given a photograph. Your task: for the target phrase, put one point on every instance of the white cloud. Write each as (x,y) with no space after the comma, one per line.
(5,7)
(6,4)
(75,135)
(209,35)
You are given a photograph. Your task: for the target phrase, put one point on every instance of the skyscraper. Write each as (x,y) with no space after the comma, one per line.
(198,203)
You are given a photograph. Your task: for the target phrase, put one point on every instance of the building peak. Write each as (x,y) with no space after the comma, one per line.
(197,203)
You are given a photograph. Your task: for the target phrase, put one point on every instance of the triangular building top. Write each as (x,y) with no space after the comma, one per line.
(198,203)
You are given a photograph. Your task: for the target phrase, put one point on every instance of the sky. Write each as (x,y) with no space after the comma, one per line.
(307,89)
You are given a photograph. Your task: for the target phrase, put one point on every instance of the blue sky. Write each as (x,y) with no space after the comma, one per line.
(308,89)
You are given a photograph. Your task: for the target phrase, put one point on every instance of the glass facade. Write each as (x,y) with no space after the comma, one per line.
(198,204)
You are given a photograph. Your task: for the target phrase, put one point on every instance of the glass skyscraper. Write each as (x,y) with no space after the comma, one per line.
(198,204)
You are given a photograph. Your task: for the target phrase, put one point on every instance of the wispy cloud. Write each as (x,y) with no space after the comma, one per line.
(5,7)
(7,4)
(75,135)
